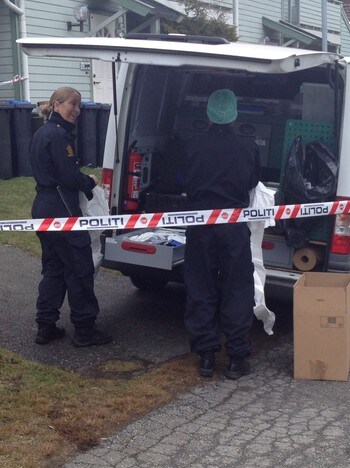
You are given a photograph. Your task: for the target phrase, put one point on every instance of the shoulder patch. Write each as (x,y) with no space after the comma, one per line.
(70,151)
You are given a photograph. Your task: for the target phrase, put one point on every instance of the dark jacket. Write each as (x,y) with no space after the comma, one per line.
(55,164)
(220,169)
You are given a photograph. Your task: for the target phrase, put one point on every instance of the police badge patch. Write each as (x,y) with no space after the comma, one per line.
(70,151)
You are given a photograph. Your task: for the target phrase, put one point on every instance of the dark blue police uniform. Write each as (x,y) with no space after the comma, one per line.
(221,169)
(67,264)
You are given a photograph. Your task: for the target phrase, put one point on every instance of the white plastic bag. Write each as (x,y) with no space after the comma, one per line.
(261,196)
(97,206)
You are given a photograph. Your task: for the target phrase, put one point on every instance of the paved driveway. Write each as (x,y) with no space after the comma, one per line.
(266,419)
(149,327)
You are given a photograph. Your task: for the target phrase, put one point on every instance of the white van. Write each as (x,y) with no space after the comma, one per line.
(286,96)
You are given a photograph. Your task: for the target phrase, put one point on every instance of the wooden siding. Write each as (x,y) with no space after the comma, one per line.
(345,35)
(311,15)
(290,12)
(50,19)
(6,55)
(250,14)
(284,10)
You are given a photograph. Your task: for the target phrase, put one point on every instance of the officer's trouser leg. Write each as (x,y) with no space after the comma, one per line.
(79,276)
(52,288)
(79,279)
(66,266)
(201,289)
(236,283)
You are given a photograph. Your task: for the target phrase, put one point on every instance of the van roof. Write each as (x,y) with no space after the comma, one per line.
(234,55)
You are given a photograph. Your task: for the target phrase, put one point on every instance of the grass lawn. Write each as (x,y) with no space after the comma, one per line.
(48,414)
(16,198)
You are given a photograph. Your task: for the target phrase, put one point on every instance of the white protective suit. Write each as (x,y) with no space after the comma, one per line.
(261,197)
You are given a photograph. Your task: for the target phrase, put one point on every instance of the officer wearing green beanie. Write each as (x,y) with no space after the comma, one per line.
(221,169)
(222,107)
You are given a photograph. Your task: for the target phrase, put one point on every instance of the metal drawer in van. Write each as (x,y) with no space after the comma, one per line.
(125,250)
(276,252)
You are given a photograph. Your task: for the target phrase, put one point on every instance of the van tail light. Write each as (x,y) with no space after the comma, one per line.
(106,183)
(341,235)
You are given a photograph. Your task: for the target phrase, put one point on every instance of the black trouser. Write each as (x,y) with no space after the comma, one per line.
(67,266)
(220,287)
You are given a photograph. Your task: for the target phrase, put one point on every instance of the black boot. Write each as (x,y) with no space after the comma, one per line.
(47,332)
(206,363)
(237,367)
(90,336)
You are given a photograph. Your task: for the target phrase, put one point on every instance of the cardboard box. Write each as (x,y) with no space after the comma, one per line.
(321,326)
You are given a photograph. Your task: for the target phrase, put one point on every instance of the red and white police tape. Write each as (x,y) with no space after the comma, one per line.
(178,219)
(14,80)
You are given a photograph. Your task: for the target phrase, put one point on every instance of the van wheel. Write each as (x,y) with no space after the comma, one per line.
(149,285)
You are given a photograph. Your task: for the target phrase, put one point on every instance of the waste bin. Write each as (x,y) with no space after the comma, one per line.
(102,123)
(87,134)
(6,147)
(21,131)
(37,122)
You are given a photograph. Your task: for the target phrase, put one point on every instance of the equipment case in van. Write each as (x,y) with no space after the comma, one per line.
(150,253)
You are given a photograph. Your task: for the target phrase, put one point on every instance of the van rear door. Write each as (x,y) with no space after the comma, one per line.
(240,56)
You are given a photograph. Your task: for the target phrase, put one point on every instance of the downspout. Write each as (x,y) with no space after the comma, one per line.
(324,26)
(236,17)
(19,11)
(155,26)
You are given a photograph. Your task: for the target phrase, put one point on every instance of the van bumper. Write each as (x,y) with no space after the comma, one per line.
(279,284)
(339,263)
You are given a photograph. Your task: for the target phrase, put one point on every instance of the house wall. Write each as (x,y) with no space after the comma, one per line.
(50,19)
(311,15)
(311,18)
(7,67)
(345,36)
(250,14)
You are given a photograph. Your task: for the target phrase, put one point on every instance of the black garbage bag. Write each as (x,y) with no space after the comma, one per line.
(293,183)
(310,173)
(310,177)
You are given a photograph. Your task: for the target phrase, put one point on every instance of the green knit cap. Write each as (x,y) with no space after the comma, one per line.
(222,106)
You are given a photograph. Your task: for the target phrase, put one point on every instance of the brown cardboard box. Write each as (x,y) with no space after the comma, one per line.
(321,326)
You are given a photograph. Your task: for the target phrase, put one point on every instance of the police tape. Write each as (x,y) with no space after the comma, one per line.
(178,219)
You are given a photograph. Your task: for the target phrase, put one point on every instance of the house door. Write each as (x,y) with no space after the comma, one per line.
(102,71)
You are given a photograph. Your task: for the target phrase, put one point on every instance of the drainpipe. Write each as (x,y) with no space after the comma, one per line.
(155,26)
(19,11)
(324,26)
(236,16)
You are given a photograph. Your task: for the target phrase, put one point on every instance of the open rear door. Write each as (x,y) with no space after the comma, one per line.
(239,56)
